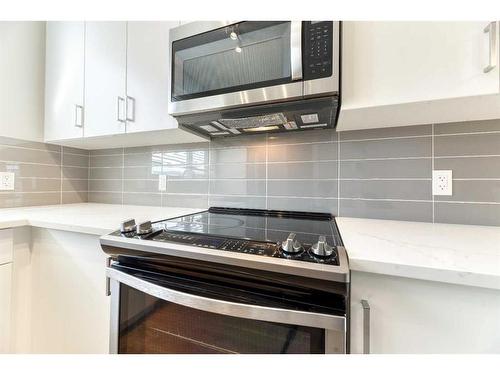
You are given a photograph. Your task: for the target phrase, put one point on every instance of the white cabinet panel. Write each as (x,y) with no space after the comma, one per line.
(148,76)
(5,313)
(6,246)
(400,62)
(105,78)
(64,79)
(416,316)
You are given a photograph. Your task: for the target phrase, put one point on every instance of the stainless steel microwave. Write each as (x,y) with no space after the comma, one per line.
(231,78)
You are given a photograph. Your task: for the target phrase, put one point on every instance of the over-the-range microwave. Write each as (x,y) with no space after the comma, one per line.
(232,78)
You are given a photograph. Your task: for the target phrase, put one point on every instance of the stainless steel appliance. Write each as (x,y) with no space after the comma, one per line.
(233,78)
(229,281)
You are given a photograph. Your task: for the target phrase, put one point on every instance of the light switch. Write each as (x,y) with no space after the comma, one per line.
(7,180)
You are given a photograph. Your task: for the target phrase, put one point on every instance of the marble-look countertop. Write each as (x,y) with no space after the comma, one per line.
(458,254)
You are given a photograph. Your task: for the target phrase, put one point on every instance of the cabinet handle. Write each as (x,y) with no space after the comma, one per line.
(78,116)
(120,116)
(108,280)
(366,326)
(130,108)
(491,29)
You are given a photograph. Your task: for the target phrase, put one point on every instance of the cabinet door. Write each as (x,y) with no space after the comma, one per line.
(105,78)
(5,293)
(64,76)
(148,76)
(402,62)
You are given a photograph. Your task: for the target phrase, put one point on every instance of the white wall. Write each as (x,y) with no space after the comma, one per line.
(22,72)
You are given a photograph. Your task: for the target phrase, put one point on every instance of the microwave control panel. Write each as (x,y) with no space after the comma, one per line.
(317,49)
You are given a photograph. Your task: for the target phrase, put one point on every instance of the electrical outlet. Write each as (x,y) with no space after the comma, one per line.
(162,182)
(7,181)
(442,182)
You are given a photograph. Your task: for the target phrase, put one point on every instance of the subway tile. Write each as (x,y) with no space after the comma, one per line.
(75,173)
(303,204)
(467,213)
(106,173)
(75,151)
(75,185)
(303,152)
(243,171)
(305,188)
(75,160)
(238,187)
(389,168)
(191,201)
(310,136)
(386,148)
(467,127)
(31,170)
(298,170)
(473,191)
(471,167)
(386,189)
(29,144)
(402,131)
(107,161)
(187,186)
(29,199)
(196,146)
(105,185)
(140,186)
(236,201)
(467,144)
(386,209)
(185,171)
(183,157)
(105,197)
(149,173)
(74,197)
(238,155)
(142,160)
(29,156)
(26,185)
(107,151)
(142,199)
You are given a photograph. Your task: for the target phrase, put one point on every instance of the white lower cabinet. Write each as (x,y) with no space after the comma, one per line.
(417,316)
(5,310)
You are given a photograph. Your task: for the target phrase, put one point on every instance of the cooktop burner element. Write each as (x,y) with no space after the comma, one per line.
(239,236)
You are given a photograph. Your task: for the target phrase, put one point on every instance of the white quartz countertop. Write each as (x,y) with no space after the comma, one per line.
(458,254)
(89,218)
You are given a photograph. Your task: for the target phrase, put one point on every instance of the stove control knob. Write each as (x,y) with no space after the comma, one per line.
(144,228)
(291,245)
(321,249)
(128,226)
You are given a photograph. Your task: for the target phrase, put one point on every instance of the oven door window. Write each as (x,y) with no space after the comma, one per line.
(238,57)
(151,325)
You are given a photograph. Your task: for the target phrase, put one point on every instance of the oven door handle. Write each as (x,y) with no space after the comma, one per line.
(296,50)
(270,314)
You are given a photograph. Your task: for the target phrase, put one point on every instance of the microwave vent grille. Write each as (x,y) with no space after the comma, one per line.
(255,121)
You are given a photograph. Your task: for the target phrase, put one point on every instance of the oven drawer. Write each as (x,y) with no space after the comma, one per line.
(158,316)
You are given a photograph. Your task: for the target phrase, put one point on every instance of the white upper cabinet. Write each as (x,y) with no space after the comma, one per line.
(421,69)
(148,76)
(105,78)
(64,78)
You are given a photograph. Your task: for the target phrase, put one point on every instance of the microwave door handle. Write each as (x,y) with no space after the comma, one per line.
(254,312)
(296,50)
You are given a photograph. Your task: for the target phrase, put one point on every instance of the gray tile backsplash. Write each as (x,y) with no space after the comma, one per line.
(374,173)
(44,174)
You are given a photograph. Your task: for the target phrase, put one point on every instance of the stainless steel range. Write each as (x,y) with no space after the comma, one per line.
(229,281)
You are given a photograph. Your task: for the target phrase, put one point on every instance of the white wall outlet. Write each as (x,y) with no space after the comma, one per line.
(442,182)
(7,180)
(162,182)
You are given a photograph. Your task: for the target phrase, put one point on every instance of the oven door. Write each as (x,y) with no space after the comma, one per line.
(154,316)
(219,65)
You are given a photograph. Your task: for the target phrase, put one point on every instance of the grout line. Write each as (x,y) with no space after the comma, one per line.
(432,169)
(338,173)
(468,133)
(123,170)
(387,138)
(61,182)
(467,156)
(267,172)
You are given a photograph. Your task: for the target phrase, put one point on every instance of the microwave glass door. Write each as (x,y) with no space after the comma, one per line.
(155,326)
(237,57)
